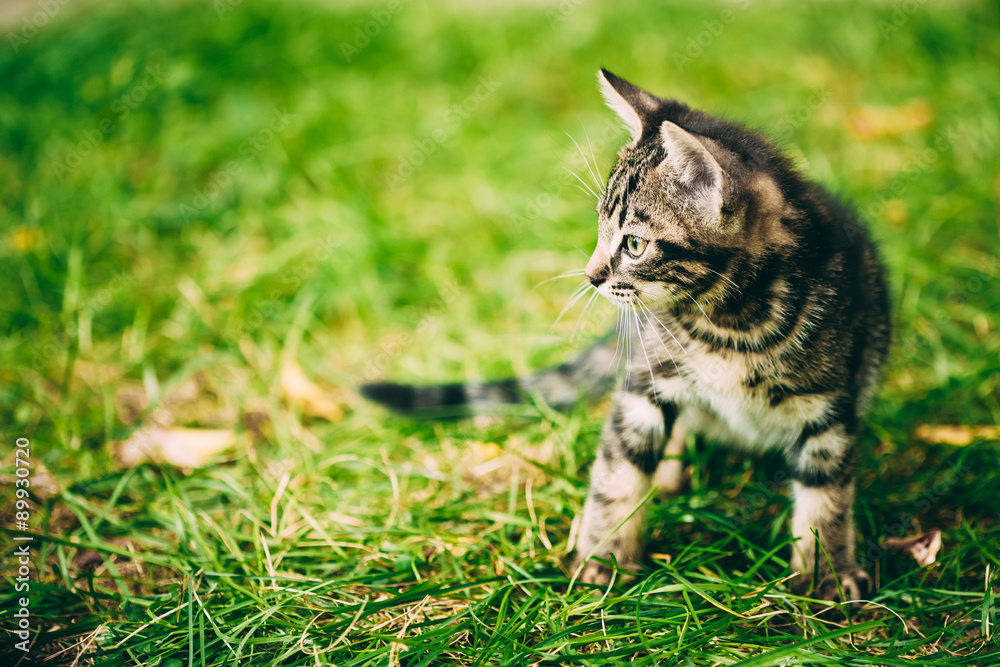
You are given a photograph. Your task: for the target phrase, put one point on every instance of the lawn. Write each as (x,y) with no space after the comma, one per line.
(225,216)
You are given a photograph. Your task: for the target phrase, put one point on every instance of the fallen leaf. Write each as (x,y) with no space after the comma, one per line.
(43,484)
(868,123)
(923,548)
(182,447)
(955,434)
(301,391)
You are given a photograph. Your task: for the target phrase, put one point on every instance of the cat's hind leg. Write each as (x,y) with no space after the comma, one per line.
(822,469)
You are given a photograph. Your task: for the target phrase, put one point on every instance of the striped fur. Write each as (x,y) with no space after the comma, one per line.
(761,318)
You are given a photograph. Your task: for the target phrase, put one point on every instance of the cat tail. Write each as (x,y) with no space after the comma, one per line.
(590,375)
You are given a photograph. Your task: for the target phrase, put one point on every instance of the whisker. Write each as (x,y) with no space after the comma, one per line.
(581,323)
(628,352)
(695,301)
(665,327)
(642,343)
(723,276)
(597,167)
(596,179)
(585,184)
(578,272)
(570,245)
(662,342)
(576,296)
(618,341)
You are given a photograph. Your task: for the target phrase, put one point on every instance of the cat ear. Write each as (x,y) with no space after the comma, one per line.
(693,167)
(632,104)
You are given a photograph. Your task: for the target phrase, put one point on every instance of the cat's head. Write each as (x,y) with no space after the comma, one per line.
(679,206)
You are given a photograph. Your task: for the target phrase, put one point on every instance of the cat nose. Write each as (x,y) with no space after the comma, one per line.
(598,270)
(598,277)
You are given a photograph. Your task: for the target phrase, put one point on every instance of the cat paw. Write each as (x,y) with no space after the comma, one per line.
(596,573)
(855,584)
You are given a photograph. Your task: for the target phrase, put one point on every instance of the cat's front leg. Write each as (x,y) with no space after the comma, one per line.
(631,448)
(823,472)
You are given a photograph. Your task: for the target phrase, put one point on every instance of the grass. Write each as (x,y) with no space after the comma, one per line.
(191,202)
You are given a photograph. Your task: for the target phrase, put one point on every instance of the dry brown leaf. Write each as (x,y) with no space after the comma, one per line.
(923,548)
(301,391)
(959,435)
(182,447)
(870,123)
(43,484)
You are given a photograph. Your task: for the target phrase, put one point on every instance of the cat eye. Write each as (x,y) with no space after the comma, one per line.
(635,246)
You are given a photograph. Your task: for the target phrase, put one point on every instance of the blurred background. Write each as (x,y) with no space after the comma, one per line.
(222,216)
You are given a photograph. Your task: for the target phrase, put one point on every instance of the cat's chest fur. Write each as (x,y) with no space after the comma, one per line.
(733,396)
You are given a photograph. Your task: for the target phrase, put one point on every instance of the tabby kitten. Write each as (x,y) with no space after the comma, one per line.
(762,317)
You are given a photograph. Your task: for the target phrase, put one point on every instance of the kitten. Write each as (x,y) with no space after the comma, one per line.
(762,319)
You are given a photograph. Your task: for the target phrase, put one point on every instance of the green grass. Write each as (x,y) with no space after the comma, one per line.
(196,248)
